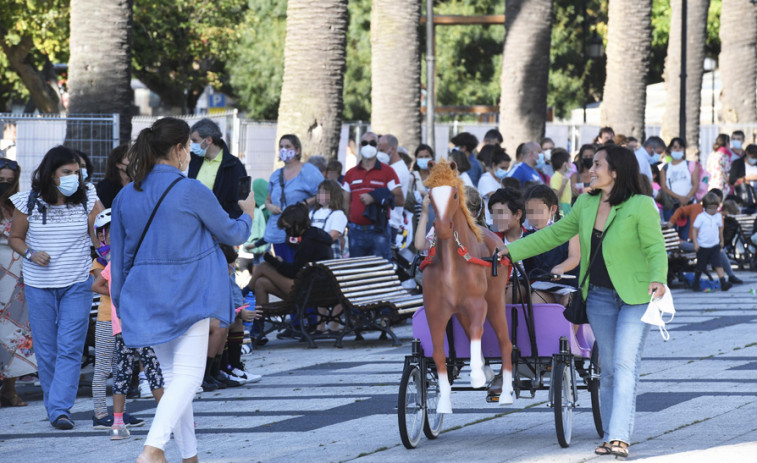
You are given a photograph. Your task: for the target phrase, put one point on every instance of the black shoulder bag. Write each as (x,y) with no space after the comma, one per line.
(152,216)
(575,312)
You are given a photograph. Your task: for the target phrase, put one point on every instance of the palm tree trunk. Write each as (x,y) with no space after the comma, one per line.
(738,61)
(396,70)
(696,26)
(525,71)
(99,70)
(314,62)
(629,44)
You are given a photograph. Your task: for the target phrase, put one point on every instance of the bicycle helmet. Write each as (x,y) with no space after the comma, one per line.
(102,219)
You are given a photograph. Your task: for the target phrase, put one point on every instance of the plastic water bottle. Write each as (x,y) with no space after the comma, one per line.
(250,299)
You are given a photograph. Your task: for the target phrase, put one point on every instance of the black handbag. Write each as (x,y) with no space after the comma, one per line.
(575,312)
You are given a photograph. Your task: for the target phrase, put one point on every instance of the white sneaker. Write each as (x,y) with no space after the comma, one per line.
(144,390)
(246,376)
(246,349)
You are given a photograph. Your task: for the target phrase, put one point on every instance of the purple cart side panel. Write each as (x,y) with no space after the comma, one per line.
(549,324)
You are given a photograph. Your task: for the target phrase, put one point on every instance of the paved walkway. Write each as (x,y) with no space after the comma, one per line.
(697,402)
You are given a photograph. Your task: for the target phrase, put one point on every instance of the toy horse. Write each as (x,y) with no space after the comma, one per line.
(457,280)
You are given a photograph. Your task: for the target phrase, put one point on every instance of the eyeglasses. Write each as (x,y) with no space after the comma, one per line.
(366,142)
(5,162)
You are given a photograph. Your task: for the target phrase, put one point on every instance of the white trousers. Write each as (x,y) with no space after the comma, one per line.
(183,364)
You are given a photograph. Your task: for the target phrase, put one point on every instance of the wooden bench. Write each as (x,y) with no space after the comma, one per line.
(361,293)
(740,249)
(679,261)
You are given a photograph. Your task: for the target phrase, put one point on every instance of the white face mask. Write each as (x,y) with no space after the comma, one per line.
(84,173)
(368,152)
(68,184)
(383,157)
(677,155)
(736,144)
(286,155)
(185,171)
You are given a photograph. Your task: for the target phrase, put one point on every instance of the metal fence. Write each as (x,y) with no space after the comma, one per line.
(27,137)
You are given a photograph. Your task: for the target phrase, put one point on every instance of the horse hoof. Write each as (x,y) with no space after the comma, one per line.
(489,373)
(477,379)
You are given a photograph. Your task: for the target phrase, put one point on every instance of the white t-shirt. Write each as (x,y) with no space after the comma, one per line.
(487,185)
(403,174)
(328,220)
(65,237)
(708,227)
(466,180)
(678,178)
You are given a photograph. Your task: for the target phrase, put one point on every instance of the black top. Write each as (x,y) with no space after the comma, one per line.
(227,180)
(315,246)
(599,275)
(543,263)
(107,191)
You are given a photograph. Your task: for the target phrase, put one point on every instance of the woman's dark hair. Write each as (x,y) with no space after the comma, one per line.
(681,142)
(229,252)
(721,141)
(295,141)
(154,143)
(491,155)
(42,179)
(295,219)
(422,147)
(559,157)
(627,183)
(117,154)
(511,182)
(465,139)
(580,155)
(544,193)
(13,189)
(462,161)
(87,163)
(510,198)
(336,198)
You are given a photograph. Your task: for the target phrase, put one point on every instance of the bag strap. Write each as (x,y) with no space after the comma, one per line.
(152,216)
(594,257)
(283,192)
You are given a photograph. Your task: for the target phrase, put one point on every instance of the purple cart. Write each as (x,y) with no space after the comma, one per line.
(549,353)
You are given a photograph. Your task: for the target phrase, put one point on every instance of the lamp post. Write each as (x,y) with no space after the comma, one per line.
(709,66)
(593,48)
(682,106)
(430,58)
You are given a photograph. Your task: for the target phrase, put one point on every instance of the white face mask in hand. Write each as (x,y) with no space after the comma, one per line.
(657,307)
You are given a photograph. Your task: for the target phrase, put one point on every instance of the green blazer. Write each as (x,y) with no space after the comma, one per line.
(633,248)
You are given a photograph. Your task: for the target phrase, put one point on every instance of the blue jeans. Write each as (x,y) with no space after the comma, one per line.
(59,318)
(620,335)
(370,240)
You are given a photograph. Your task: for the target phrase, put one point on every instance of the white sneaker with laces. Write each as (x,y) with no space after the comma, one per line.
(246,376)
(144,390)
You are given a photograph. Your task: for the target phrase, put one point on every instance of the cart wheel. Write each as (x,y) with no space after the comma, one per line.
(410,413)
(562,389)
(596,410)
(432,425)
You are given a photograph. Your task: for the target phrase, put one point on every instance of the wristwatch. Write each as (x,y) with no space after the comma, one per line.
(28,254)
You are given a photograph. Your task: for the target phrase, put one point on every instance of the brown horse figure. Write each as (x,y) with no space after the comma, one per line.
(456,281)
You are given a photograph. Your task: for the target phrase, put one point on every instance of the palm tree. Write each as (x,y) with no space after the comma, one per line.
(696,26)
(99,70)
(738,61)
(525,71)
(629,44)
(314,62)
(396,70)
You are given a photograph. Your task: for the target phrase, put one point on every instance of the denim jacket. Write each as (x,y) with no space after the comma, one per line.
(180,275)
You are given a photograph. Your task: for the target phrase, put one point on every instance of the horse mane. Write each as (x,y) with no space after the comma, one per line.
(445,174)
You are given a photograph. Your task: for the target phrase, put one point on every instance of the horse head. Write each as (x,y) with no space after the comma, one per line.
(446,203)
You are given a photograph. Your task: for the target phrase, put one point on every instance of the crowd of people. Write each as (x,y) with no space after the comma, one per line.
(169,207)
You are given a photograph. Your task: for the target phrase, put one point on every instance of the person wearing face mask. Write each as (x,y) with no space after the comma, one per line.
(533,158)
(53,230)
(165,233)
(399,218)
(467,143)
(547,145)
(743,177)
(719,163)
(649,154)
(116,176)
(581,177)
(294,183)
(214,166)
(16,358)
(491,180)
(737,144)
(678,183)
(85,166)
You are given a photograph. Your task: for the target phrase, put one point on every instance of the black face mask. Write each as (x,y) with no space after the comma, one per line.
(4,187)
(587,162)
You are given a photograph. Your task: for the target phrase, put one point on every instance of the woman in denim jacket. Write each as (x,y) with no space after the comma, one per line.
(166,290)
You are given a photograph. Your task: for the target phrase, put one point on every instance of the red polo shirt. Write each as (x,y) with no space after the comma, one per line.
(358,181)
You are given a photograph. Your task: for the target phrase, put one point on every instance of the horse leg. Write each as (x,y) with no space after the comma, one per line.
(477,313)
(437,324)
(498,319)
(465,323)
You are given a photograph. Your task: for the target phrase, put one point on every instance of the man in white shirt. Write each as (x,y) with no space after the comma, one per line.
(388,144)
(649,153)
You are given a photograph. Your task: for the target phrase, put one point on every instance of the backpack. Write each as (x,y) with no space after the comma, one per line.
(34,201)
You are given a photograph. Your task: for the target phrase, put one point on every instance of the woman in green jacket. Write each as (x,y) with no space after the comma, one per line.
(631,265)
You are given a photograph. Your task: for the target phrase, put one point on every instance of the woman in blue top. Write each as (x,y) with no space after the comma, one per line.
(294,183)
(155,285)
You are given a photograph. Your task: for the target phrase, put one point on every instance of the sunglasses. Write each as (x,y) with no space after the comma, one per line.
(12,165)
(366,142)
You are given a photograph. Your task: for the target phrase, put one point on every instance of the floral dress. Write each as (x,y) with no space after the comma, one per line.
(16,353)
(719,166)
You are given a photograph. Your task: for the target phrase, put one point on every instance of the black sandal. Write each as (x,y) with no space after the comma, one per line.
(619,449)
(604,449)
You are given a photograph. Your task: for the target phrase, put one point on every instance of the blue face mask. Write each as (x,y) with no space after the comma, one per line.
(540,163)
(197,149)
(422,163)
(68,184)
(736,144)
(677,155)
(84,173)
(500,173)
(654,159)
(751,161)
